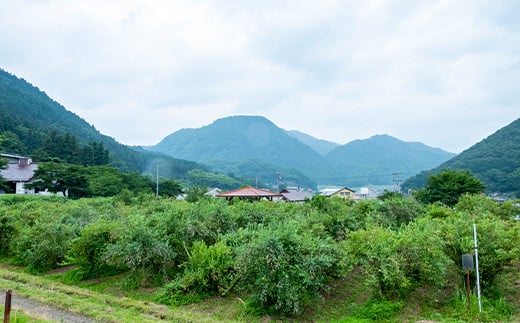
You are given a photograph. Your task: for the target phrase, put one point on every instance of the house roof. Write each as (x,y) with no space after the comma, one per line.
(332,191)
(249,192)
(214,191)
(11,156)
(296,195)
(17,173)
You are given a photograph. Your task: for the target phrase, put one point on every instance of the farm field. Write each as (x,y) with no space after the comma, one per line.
(328,260)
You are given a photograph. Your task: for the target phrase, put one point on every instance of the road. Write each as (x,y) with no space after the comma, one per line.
(42,311)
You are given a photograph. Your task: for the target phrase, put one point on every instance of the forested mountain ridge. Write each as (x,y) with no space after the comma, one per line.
(319,145)
(495,160)
(32,124)
(382,159)
(239,139)
(242,138)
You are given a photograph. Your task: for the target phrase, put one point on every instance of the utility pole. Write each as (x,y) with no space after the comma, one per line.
(157,179)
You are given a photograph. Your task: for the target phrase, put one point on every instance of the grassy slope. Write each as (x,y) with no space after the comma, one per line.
(347,300)
(98,305)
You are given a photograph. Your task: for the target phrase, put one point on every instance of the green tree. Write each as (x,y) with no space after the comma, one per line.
(199,177)
(136,182)
(93,154)
(10,142)
(104,180)
(70,180)
(3,165)
(195,193)
(170,187)
(448,186)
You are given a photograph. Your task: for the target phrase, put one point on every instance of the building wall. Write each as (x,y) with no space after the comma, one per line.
(20,189)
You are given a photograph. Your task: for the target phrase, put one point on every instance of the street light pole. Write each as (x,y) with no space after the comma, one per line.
(157,180)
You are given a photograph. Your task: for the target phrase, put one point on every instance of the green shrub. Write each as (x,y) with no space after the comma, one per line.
(375,249)
(207,221)
(282,270)
(498,242)
(142,250)
(87,250)
(399,262)
(44,245)
(207,272)
(7,233)
(378,310)
(399,210)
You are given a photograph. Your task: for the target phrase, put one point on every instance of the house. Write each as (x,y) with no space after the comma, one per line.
(20,171)
(214,191)
(295,194)
(343,192)
(251,193)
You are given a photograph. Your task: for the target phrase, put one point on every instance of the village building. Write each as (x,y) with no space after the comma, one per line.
(343,192)
(19,172)
(251,193)
(295,194)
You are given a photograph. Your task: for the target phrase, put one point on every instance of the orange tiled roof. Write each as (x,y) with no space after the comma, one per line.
(249,192)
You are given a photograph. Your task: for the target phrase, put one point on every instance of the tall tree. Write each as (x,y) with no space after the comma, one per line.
(448,186)
(93,154)
(104,180)
(70,180)
(170,187)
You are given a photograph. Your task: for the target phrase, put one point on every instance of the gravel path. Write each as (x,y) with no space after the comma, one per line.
(43,311)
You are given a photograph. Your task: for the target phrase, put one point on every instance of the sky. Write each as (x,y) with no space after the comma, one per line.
(444,73)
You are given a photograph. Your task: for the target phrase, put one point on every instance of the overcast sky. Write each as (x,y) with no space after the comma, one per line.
(445,73)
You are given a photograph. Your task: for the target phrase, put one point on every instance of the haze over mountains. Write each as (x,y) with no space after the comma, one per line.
(253,150)
(246,138)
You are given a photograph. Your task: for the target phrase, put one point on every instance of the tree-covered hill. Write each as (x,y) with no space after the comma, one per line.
(374,160)
(495,160)
(241,138)
(33,124)
(319,145)
(260,174)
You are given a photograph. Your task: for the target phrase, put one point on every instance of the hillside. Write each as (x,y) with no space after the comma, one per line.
(495,160)
(28,116)
(319,145)
(231,141)
(374,160)
(242,138)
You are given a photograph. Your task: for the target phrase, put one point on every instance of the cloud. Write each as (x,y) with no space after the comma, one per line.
(440,72)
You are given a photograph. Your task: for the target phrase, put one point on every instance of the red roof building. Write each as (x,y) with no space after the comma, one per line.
(250,193)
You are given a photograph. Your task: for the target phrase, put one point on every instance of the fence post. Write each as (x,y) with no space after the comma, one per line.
(7,310)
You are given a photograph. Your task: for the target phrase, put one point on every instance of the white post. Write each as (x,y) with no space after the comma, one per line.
(476,267)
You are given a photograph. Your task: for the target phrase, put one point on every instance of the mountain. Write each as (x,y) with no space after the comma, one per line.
(319,145)
(383,159)
(242,138)
(235,144)
(495,160)
(28,116)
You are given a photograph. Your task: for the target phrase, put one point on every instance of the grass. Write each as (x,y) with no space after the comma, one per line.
(100,306)
(18,316)
(347,300)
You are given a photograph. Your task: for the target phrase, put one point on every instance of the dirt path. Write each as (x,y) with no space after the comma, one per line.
(43,311)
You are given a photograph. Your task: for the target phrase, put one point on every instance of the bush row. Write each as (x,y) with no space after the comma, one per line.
(276,256)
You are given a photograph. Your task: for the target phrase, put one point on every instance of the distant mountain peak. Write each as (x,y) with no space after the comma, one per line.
(319,145)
